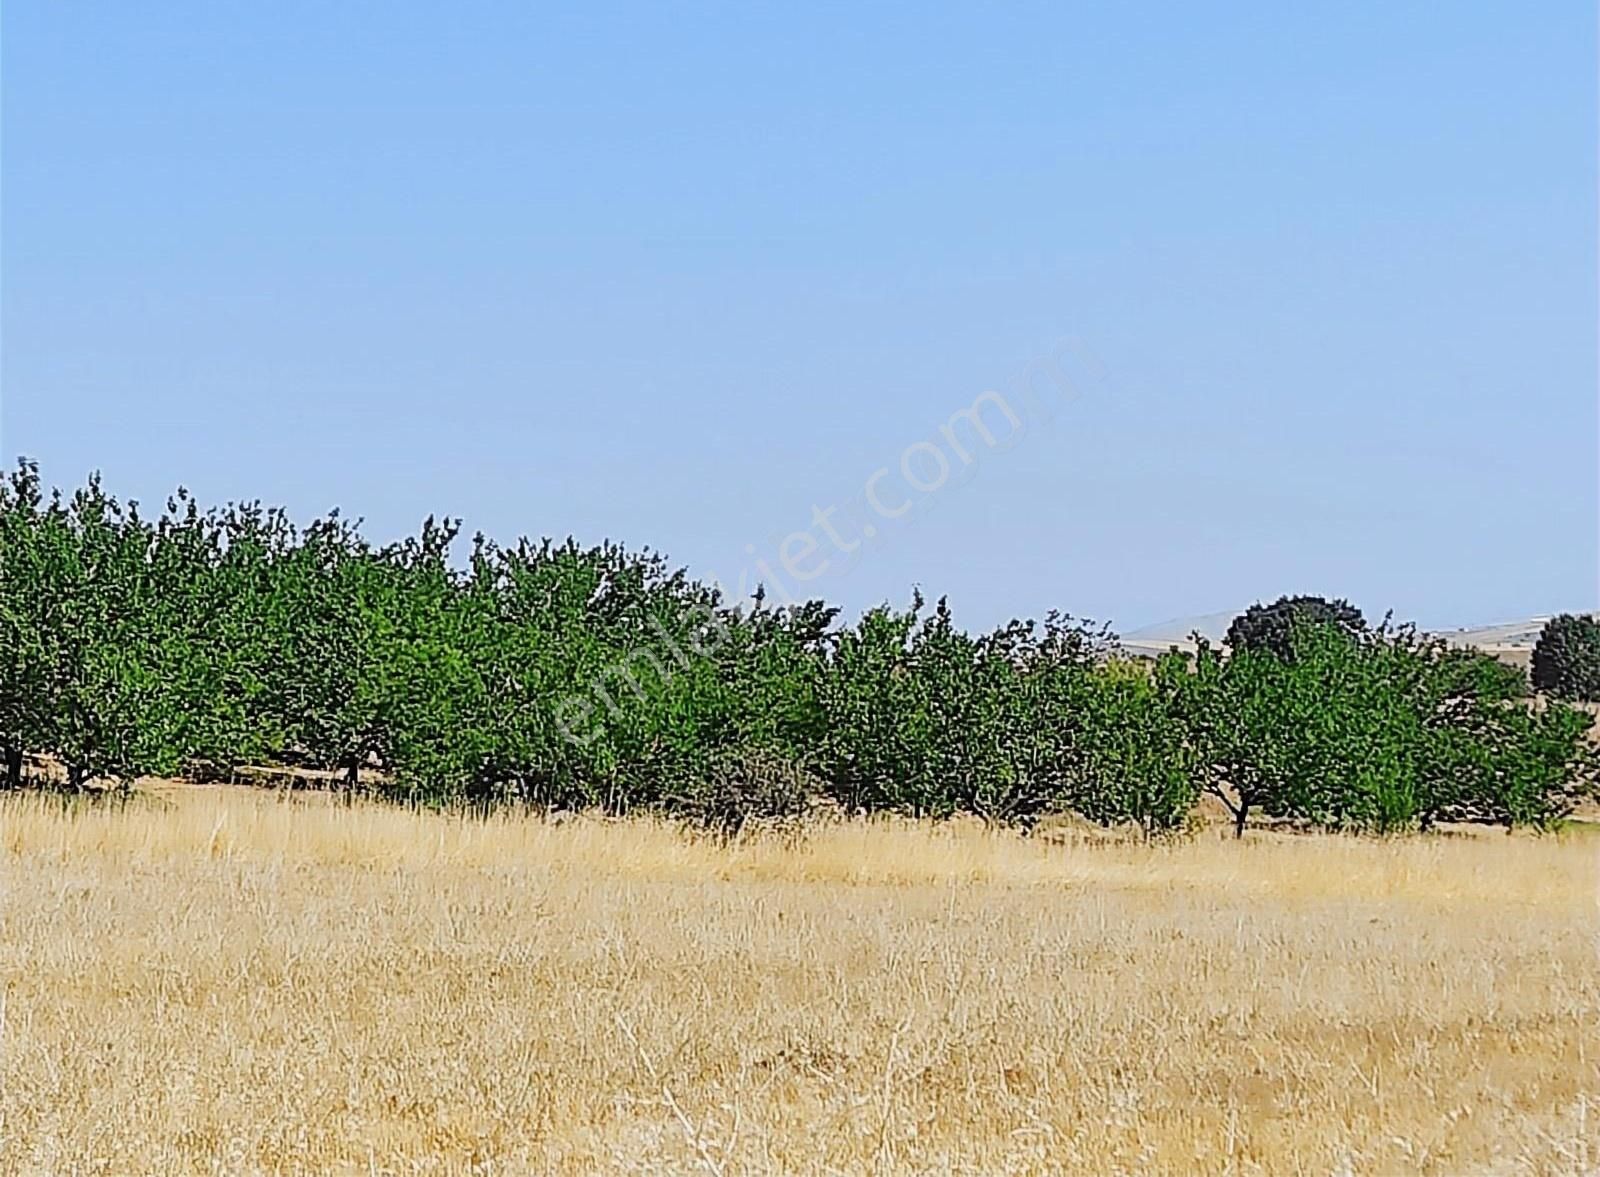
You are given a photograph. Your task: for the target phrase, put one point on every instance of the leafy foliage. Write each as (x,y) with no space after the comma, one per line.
(562,676)
(1381,730)
(1271,627)
(1134,760)
(1566,658)
(923,718)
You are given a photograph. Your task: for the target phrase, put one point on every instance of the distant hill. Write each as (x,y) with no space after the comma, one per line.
(1211,625)
(1510,640)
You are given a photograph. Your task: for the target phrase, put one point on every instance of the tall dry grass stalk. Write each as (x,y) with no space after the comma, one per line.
(215,981)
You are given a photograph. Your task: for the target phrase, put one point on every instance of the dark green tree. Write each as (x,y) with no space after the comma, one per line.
(1566,658)
(1271,627)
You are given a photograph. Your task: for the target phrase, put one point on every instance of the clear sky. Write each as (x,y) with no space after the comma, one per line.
(684,278)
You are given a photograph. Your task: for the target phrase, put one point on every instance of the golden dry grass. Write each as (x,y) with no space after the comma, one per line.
(224,981)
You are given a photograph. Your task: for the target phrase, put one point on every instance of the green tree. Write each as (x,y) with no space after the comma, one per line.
(1381,730)
(103,638)
(25,663)
(1566,658)
(1271,627)
(1132,759)
(922,718)
(337,614)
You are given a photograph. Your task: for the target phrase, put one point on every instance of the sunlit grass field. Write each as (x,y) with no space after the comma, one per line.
(233,981)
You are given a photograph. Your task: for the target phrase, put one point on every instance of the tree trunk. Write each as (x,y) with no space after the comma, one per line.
(352,779)
(13,768)
(1239,812)
(75,777)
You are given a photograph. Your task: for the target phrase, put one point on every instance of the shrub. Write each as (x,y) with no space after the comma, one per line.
(1566,659)
(1271,627)
(746,789)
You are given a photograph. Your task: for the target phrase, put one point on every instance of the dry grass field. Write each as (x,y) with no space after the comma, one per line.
(226,981)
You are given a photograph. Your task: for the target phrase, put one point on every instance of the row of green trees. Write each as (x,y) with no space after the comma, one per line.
(553,674)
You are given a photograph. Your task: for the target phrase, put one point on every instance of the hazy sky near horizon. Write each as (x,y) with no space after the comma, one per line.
(683,277)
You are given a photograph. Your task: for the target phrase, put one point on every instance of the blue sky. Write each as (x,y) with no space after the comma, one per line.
(684,277)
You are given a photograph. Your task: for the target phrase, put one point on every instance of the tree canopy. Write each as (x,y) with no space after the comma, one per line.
(561,675)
